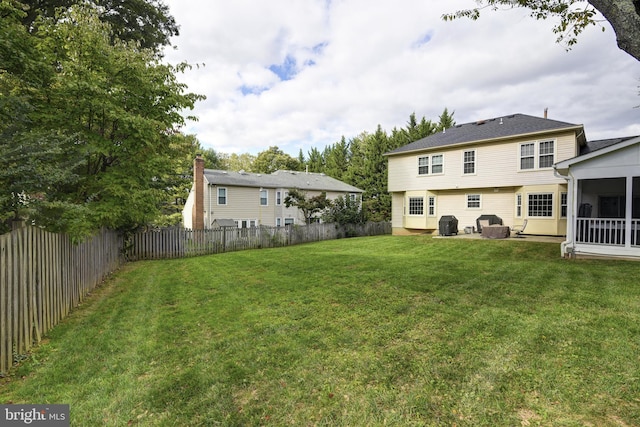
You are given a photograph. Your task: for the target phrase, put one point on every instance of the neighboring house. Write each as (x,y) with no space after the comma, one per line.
(253,199)
(501,166)
(604,198)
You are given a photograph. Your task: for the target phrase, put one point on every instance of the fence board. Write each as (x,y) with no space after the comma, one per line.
(178,242)
(43,276)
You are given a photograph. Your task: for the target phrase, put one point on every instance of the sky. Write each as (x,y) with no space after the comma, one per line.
(301,74)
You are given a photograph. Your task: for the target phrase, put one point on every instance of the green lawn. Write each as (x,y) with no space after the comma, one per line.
(400,331)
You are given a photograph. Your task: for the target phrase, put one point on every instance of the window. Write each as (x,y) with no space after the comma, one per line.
(423,165)
(563,205)
(278,198)
(278,222)
(416,206)
(519,205)
(473,201)
(546,154)
(263,197)
(542,151)
(436,164)
(432,206)
(288,221)
(222,196)
(353,197)
(527,156)
(469,162)
(541,205)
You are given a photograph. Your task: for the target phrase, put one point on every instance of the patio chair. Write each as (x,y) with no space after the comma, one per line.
(518,229)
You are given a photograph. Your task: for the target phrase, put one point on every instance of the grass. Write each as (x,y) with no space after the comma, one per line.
(396,331)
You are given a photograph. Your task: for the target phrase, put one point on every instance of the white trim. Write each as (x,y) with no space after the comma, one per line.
(479,201)
(475,162)
(226,196)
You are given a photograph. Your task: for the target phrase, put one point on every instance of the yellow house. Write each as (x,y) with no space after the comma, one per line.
(501,166)
(253,199)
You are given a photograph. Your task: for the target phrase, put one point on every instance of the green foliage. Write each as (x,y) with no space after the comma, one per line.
(310,206)
(345,210)
(274,159)
(572,15)
(145,22)
(92,136)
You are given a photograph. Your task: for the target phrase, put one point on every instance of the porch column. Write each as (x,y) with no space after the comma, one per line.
(628,212)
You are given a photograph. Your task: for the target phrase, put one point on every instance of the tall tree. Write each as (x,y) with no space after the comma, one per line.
(337,159)
(147,22)
(573,17)
(274,159)
(113,110)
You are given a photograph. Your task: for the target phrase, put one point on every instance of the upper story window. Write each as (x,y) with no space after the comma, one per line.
(416,205)
(546,154)
(542,151)
(222,196)
(431,164)
(541,204)
(437,165)
(473,201)
(278,198)
(353,197)
(469,162)
(527,156)
(263,198)
(423,165)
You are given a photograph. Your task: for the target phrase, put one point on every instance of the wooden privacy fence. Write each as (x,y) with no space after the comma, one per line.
(42,277)
(178,242)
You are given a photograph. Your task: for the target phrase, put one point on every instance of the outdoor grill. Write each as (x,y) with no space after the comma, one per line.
(448,225)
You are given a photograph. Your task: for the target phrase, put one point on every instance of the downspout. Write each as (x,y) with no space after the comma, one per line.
(567,247)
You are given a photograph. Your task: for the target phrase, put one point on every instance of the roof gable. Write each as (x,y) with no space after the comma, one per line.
(593,149)
(485,130)
(279,179)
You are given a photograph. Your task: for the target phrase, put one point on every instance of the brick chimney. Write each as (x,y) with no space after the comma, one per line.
(197,214)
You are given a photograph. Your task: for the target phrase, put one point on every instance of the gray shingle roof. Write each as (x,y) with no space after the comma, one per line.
(483,130)
(280,179)
(596,145)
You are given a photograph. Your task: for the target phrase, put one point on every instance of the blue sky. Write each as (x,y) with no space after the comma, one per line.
(302,74)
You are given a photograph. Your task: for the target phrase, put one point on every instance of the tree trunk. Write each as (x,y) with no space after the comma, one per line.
(624,17)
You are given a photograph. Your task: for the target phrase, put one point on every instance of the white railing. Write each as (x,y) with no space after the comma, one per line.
(606,231)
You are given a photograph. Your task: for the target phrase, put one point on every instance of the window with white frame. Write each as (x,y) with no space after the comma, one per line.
(288,221)
(431,206)
(537,155)
(264,197)
(563,205)
(473,201)
(278,198)
(527,156)
(278,222)
(437,164)
(431,164)
(353,197)
(546,154)
(222,196)
(540,205)
(519,205)
(416,205)
(469,162)
(423,165)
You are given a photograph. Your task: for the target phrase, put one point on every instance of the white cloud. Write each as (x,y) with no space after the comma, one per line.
(303,74)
